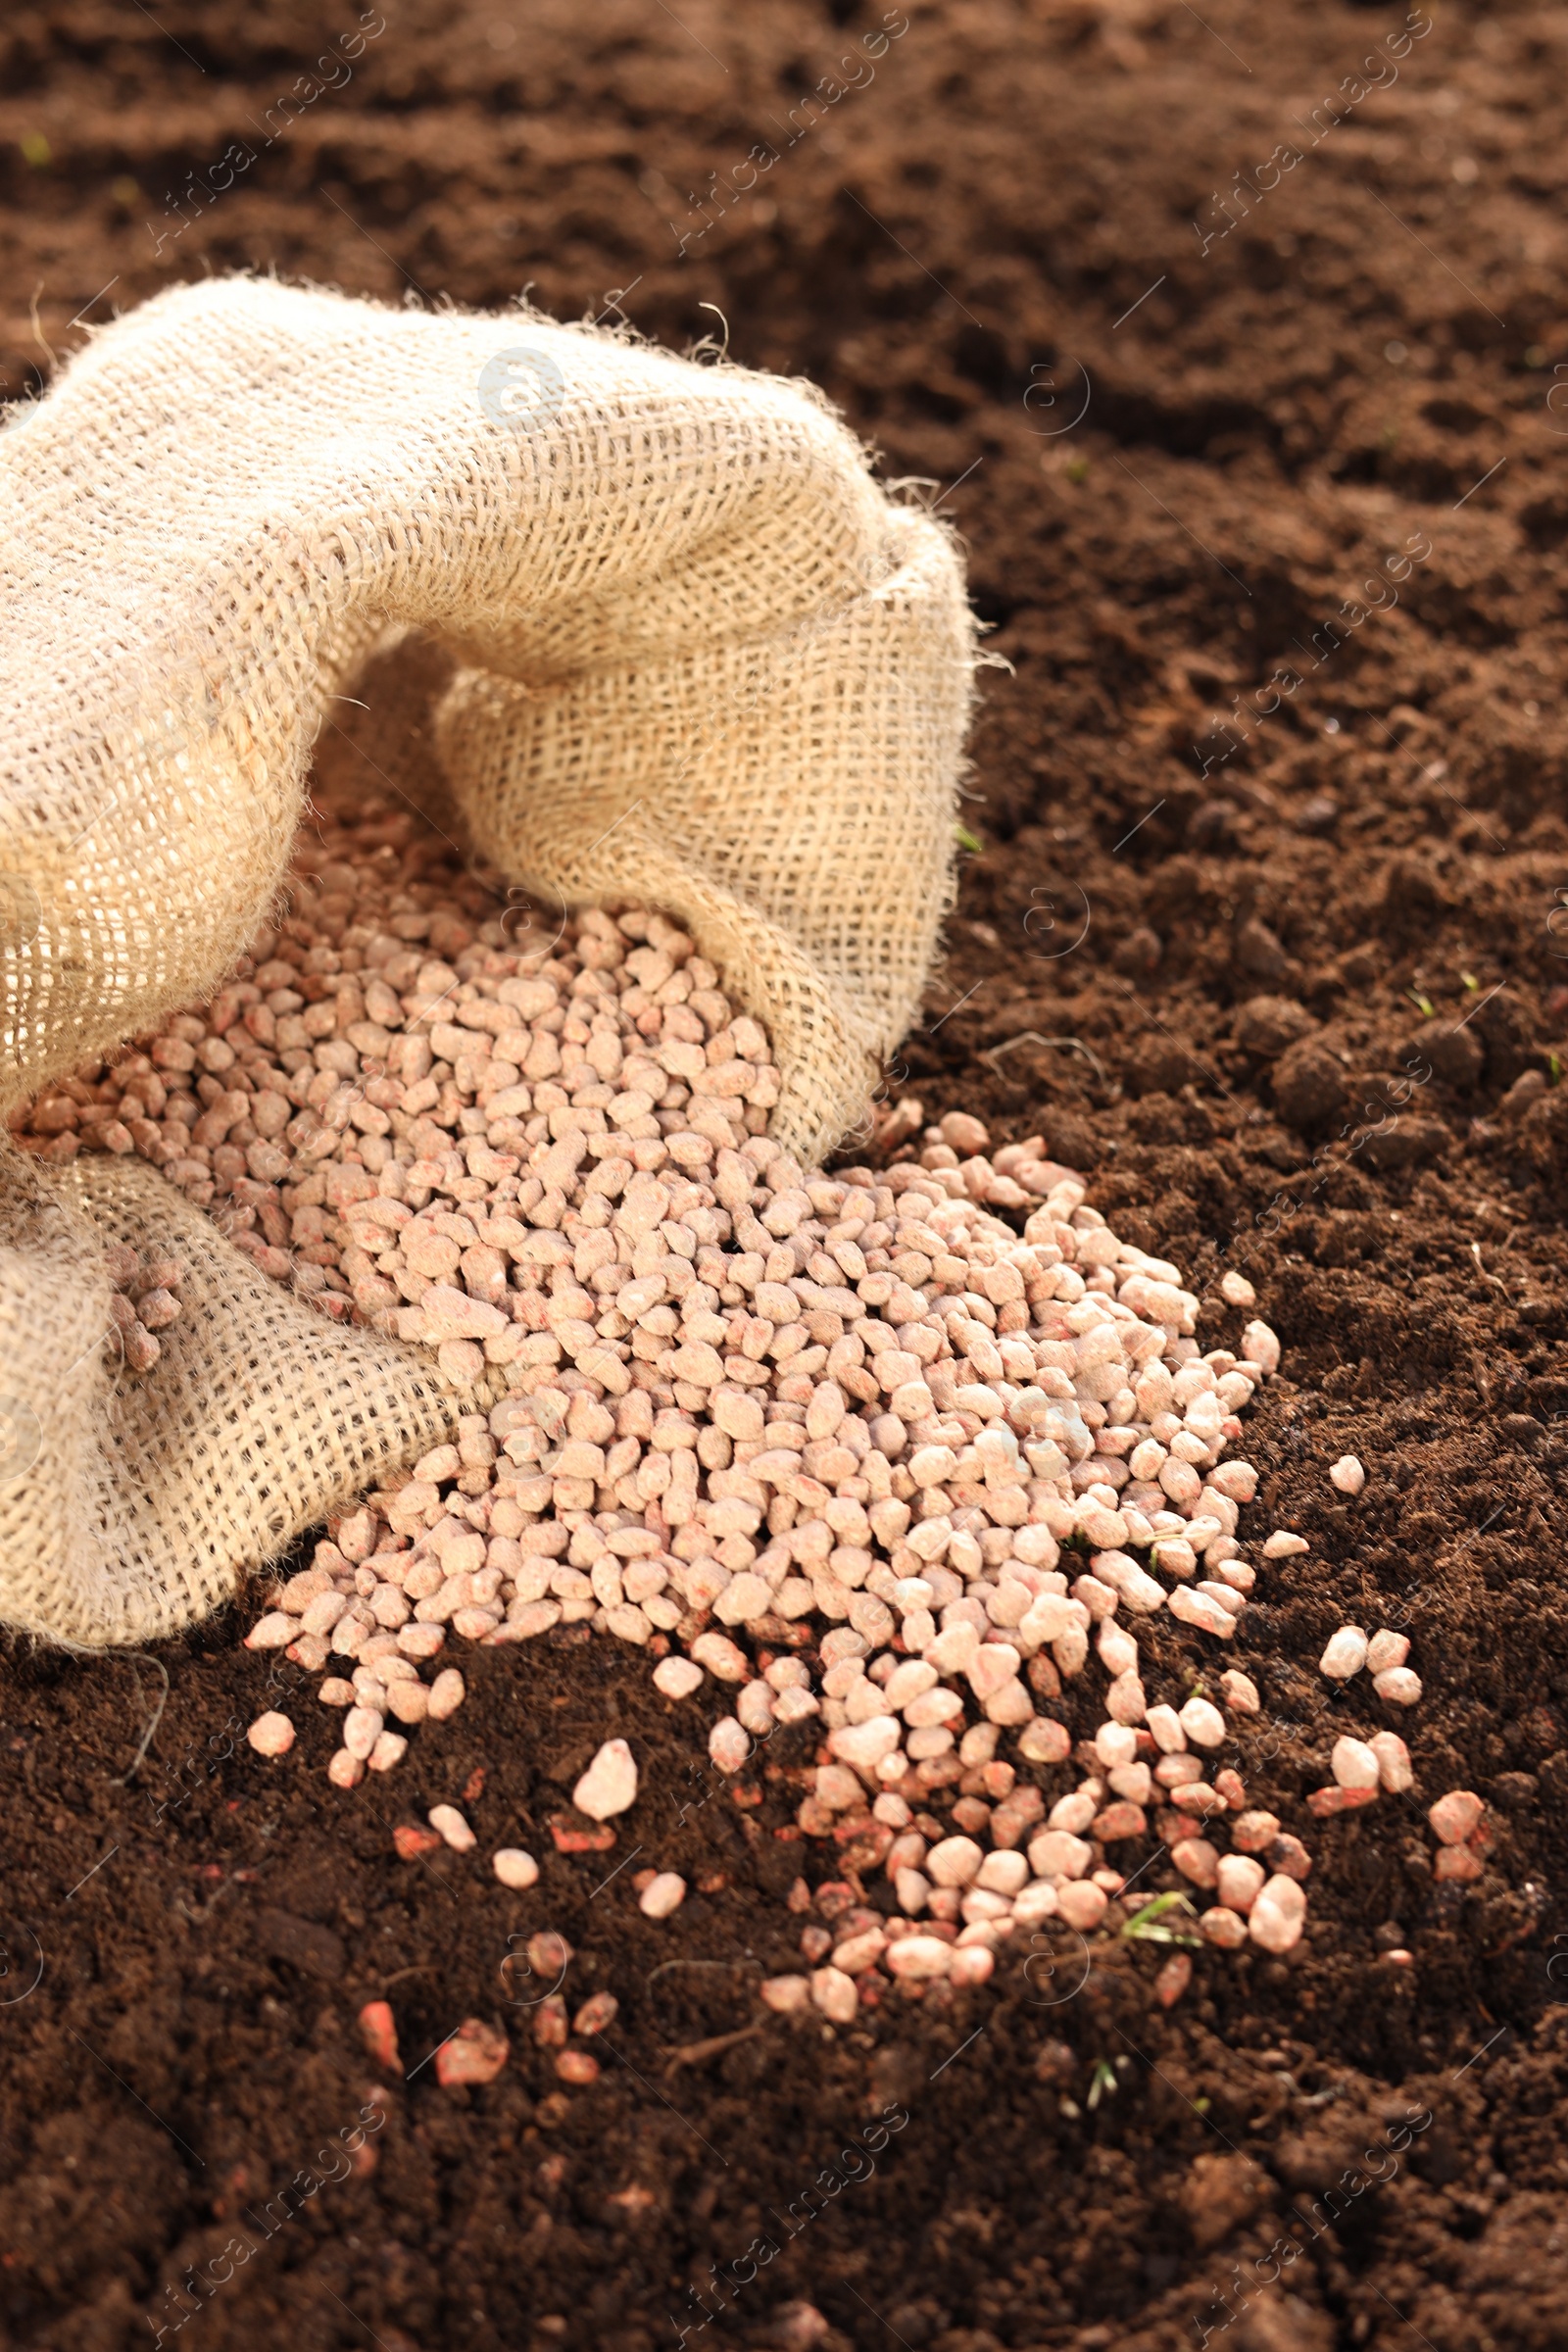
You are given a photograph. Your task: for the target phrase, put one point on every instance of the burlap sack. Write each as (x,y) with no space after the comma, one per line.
(694,658)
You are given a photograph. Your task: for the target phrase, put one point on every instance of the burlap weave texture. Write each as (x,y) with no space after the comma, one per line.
(697,658)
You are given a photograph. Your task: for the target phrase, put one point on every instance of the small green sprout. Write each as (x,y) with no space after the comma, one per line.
(1555,1065)
(1104,2080)
(36,150)
(1423,1004)
(1148,1925)
(1470,981)
(969,841)
(1078,471)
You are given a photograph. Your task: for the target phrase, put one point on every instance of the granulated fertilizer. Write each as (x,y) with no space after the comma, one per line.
(888,1451)
(661,634)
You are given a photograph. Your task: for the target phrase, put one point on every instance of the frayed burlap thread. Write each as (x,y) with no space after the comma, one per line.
(693,657)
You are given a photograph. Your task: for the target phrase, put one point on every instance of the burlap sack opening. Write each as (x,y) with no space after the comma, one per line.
(667,643)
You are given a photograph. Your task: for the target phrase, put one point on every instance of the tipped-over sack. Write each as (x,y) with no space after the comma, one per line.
(690,655)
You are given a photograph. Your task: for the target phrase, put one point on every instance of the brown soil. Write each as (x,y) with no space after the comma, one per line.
(1363,365)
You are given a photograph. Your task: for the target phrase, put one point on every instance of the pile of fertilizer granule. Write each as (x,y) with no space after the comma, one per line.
(890,1452)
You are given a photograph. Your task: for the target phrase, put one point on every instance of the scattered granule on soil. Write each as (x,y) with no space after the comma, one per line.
(1464,1834)
(887,1452)
(664,1893)
(515,1868)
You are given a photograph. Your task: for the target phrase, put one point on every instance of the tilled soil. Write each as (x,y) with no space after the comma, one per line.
(1313,462)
